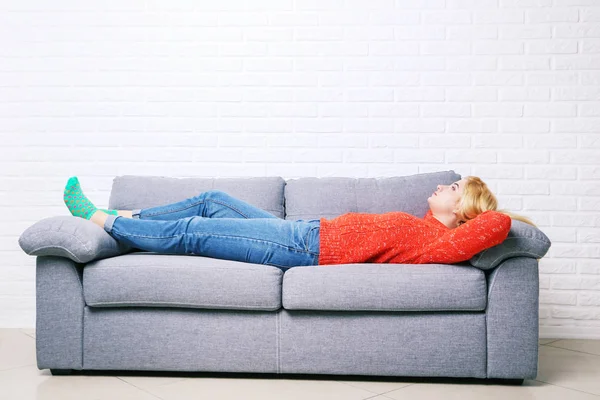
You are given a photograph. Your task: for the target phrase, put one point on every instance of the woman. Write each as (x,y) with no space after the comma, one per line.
(461,222)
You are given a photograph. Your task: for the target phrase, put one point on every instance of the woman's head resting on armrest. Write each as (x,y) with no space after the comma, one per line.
(463,200)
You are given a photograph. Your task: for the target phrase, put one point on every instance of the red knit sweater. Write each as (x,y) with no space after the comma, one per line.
(401,238)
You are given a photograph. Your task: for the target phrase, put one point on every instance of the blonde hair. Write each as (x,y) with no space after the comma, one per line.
(477,198)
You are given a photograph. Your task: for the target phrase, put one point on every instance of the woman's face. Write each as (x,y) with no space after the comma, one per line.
(445,199)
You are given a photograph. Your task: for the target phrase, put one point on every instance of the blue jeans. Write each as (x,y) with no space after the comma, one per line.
(215,224)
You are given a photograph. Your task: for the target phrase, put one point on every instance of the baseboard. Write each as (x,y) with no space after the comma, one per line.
(569,332)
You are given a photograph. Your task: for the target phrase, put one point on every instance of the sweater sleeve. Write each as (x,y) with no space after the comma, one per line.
(488,229)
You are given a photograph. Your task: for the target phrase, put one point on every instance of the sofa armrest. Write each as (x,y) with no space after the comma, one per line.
(512,318)
(523,240)
(59,313)
(71,237)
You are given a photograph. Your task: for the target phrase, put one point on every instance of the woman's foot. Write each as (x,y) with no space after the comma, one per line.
(77,203)
(80,206)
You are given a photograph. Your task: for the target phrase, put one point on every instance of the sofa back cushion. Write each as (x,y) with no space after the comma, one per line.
(312,198)
(130,192)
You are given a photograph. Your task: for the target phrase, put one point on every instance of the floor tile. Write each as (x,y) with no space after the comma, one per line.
(530,389)
(263,389)
(583,345)
(28,332)
(569,369)
(29,383)
(377,387)
(16,349)
(147,382)
(546,341)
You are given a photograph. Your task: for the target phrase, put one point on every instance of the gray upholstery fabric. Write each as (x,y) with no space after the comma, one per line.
(385,287)
(513,319)
(178,339)
(71,237)
(311,198)
(523,240)
(379,343)
(131,192)
(59,313)
(149,279)
(348,343)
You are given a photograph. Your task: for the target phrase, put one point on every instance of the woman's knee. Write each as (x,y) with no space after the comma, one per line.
(213,194)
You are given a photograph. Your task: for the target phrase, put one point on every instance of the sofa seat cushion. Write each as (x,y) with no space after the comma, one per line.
(385,287)
(148,279)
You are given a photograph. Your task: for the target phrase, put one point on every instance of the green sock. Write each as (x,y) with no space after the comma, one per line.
(77,203)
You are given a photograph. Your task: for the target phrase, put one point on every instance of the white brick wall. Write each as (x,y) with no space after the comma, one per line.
(508,90)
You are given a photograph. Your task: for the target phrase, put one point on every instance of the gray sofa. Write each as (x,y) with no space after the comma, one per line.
(102,305)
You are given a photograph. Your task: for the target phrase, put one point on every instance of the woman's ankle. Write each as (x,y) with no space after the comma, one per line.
(125,213)
(99,218)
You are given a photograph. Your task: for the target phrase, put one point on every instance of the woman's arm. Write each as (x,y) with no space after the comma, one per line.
(488,229)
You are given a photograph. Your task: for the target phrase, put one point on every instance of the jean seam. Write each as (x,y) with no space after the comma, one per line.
(195,204)
(306,238)
(146,237)
(232,208)
(173,210)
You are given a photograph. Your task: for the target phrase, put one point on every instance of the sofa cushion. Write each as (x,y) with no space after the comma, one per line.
(71,237)
(523,240)
(385,287)
(130,192)
(149,279)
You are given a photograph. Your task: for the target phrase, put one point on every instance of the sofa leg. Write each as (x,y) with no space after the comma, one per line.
(61,371)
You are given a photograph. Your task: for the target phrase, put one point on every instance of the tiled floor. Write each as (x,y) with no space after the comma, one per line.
(568,369)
